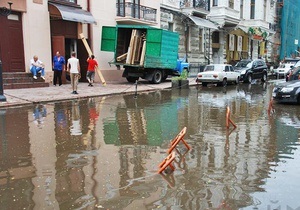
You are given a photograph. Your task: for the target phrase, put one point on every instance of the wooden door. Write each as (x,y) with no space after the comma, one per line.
(82,55)
(11,43)
(58,44)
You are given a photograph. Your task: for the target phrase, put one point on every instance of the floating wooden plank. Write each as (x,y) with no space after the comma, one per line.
(87,47)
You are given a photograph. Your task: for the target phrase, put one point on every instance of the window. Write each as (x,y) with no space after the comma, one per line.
(242,9)
(265,9)
(215,2)
(231,4)
(252,9)
(201,40)
(170,26)
(215,37)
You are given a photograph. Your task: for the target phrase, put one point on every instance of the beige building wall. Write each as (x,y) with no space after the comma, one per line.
(36,34)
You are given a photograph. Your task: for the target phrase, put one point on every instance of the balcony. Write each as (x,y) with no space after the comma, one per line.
(130,13)
(224,16)
(195,7)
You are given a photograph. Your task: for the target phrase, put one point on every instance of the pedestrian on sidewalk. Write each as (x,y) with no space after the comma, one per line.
(74,68)
(58,67)
(90,74)
(37,66)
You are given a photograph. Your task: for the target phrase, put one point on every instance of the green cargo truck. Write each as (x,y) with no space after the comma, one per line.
(144,52)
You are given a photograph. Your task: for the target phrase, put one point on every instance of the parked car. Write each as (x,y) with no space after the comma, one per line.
(256,69)
(283,69)
(287,92)
(294,73)
(219,74)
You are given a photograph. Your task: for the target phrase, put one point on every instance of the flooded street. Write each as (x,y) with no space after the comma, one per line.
(104,153)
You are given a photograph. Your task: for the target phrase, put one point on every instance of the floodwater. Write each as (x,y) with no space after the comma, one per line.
(104,153)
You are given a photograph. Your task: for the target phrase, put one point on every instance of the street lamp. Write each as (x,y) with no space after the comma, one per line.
(5,12)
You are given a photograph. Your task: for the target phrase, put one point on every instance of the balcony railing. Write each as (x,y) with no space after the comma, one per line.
(197,4)
(136,11)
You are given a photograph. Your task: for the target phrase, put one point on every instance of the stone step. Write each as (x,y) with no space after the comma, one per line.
(18,80)
(7,75)
(25,85)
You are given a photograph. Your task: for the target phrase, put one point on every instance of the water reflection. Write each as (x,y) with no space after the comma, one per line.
(104,152)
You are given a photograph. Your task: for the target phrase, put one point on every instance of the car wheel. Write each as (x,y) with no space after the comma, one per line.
(204,84)
(298,99)
(224,82)
(132,79)
(157,77)
(237,80)
(249,78)
(264,77)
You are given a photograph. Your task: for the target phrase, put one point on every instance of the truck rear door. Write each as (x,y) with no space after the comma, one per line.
(108,40)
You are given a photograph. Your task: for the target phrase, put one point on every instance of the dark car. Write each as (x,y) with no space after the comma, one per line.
(287,92)
(294,73)
(256,69)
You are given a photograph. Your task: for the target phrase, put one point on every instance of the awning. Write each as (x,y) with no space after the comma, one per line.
(74,14)
(203,23)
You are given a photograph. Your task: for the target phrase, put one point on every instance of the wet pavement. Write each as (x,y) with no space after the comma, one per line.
(15,97)
(104,152)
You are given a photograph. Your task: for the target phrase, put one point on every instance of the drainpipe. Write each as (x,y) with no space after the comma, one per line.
(89,25)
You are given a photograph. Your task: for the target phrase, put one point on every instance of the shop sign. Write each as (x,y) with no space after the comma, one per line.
(257,33)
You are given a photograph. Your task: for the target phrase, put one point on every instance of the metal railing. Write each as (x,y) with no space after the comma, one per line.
(136,11)
(195,68)
(197,4)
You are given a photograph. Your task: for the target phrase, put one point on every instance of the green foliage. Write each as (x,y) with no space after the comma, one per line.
(183,76)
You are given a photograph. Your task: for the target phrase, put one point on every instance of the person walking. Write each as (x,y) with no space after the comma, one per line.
(92,64)
(58,68)
(37,66)
(74,68)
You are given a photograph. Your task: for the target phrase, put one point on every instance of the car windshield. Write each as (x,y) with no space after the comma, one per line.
(296,71)
(250,64)
(281,66)
(213,68)
(297,64)
(242,63)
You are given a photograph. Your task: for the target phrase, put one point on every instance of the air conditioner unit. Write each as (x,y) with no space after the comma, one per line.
(170,18)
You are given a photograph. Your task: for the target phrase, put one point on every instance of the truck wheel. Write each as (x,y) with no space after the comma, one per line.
(204,84)
(132,79)
(157,77)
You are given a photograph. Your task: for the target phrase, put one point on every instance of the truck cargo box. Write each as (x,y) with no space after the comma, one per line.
(141,46)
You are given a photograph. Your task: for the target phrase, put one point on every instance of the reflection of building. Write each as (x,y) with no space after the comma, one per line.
(16,167)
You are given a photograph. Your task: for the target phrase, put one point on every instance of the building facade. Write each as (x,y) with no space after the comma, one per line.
(211,31)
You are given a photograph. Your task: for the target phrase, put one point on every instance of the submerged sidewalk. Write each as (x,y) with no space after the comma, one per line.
(26,96)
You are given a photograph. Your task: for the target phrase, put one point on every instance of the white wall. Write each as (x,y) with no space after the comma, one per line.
(36,34)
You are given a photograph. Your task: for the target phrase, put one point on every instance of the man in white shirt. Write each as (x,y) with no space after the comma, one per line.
(74,68)
(37,66)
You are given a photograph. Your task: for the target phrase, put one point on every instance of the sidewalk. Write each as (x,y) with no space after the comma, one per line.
(16,97)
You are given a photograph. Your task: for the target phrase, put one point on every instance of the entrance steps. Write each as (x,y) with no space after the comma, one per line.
(19,80)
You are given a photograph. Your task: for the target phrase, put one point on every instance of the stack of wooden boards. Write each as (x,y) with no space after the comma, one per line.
(136,49)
